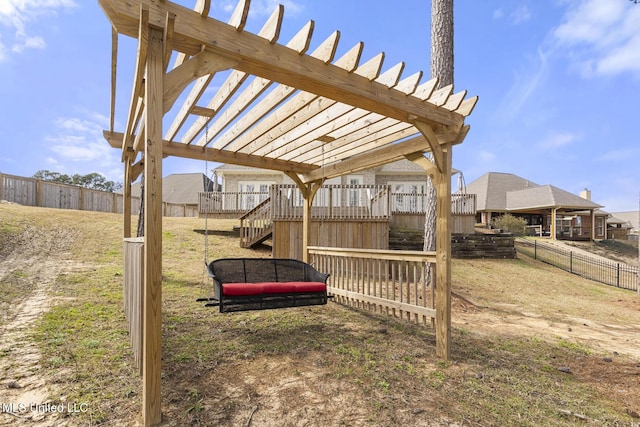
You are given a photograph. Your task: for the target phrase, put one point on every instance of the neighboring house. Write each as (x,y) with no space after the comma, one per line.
(618,228)
(181,191)
(253,184)
(242,188)
(404,175)
(548,210)
(630,220)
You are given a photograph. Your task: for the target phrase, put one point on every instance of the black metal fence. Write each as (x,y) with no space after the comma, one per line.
(608,272)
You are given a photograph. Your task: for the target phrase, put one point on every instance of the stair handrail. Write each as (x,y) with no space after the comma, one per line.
(256,222)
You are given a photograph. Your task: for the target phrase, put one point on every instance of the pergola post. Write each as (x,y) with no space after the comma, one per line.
(441,177)
(443,256)
(306,225)
(152,317)
(308,193)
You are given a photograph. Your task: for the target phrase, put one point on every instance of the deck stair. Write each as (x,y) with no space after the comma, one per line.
(256,225)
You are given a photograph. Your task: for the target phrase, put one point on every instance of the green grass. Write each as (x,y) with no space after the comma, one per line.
(218,368)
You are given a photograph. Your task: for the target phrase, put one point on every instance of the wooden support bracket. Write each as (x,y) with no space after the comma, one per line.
(419,159)
(432,139)
(197,66)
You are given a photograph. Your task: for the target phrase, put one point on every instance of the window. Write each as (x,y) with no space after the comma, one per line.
(408,196)
(354,193)
(600,226)
(252,193)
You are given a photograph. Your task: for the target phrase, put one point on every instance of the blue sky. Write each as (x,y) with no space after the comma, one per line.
(558,81)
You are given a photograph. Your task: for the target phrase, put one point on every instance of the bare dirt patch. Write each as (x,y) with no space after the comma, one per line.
(36,256)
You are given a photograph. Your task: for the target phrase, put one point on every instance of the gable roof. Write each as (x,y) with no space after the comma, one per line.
(491,189)
(633,217)
(618,221)
(502,192)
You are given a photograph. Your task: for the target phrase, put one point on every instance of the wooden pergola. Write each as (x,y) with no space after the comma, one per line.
(283,107)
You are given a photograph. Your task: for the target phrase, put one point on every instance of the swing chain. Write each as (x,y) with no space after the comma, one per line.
(206,214)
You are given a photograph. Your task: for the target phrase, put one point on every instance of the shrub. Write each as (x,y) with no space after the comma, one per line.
(511,224)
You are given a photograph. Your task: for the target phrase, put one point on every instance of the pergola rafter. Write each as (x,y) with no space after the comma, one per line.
(278,107)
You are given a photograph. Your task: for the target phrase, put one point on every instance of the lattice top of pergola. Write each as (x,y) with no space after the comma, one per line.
(281,106)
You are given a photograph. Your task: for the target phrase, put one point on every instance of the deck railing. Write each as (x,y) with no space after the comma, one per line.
(389,282)
(332,201)
(230,202)
(255,224)
(416,203)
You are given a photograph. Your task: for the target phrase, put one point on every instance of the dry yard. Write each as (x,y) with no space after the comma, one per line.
(531,345)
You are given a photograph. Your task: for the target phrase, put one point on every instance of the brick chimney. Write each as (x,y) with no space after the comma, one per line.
(586,194)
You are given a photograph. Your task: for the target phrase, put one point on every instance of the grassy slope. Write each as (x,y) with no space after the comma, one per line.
(355,368)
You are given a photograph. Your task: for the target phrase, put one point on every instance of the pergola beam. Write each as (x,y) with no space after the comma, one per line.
(258,56)
(213,155)
(368,160)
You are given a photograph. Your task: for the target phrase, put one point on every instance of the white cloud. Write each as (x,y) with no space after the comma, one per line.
(79,146)
(622,154)
(520,15)
(526,82)
(517,16)
(486,156)
(559,139)
(260,7)
(3,50)
(265,7)
(29,43)
(601,37)
(17,15)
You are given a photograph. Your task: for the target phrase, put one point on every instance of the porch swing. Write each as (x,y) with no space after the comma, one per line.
(243,284)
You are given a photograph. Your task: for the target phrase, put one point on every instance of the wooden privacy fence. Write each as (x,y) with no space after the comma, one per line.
(133,293)
(608,272)
(49,194)
(388,282)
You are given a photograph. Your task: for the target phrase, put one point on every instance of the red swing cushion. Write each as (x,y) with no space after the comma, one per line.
(248,289)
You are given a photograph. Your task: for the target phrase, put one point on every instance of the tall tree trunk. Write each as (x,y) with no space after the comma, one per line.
(442,68)
(442,41)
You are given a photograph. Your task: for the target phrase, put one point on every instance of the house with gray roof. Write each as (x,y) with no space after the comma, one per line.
(180,191)
(621,222)
(548,210)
